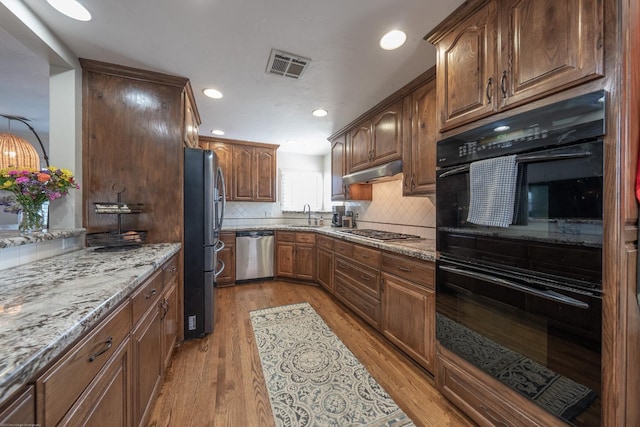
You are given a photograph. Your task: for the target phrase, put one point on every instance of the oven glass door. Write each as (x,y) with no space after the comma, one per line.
(540,339)
(558,196)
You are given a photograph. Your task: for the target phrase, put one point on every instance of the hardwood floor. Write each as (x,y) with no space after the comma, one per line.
(217,380)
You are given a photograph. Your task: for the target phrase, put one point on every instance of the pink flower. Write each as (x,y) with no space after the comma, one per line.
(22,180)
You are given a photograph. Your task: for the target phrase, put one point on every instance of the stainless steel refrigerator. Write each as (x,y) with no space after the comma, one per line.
(204,201)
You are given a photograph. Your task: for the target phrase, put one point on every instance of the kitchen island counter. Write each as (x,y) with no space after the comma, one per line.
(424,249)
(48,304)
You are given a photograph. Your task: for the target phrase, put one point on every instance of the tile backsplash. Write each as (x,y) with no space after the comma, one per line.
(23,254)
(390,211)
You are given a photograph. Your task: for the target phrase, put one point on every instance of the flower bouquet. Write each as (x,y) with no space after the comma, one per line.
(32,188)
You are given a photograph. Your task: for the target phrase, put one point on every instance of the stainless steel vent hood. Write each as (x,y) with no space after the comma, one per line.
(374,174)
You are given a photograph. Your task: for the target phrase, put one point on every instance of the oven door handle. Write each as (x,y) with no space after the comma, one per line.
(526,158)
(550,295)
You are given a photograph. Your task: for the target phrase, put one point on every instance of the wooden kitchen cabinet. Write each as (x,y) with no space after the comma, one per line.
(497,54)
(20,410)
(191,119)
(339,191)
(169,317)
(249,168)
(325,262)
(295,255)
(357,280)
(61,387)
(419,146)
(408,307)
(224,152)
(377,140)
(228,256)
(148,357)
(123,142)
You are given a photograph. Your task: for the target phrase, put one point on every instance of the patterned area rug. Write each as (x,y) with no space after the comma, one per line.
(312,377)
(557,394)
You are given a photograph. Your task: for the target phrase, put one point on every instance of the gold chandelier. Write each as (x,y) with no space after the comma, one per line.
(16,153)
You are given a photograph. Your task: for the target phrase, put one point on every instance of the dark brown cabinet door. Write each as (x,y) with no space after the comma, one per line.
(169,317)
(325,269)
(305,262)
(265,164)
(386,131)
(225,161)
(465,69)
(147,363)
(546,45)
(408,318)
(420,141)
(337,168)
(243,173)
(359,147)
(285,259)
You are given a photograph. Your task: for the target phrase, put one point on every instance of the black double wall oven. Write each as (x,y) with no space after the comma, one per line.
(523,301)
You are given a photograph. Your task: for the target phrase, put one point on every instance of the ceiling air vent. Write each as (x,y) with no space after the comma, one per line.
(286,64)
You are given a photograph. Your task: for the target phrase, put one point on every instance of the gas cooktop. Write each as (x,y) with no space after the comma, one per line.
(381,235)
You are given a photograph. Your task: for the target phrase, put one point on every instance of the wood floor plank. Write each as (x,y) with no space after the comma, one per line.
(217,380)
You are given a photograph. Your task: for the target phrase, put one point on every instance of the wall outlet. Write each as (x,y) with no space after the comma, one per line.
(192,323)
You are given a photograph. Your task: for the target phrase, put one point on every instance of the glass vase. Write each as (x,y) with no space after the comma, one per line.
(31,219)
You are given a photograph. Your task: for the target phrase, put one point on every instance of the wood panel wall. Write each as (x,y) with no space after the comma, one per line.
(132,135)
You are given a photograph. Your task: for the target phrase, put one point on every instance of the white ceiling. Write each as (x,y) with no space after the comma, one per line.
(226,45)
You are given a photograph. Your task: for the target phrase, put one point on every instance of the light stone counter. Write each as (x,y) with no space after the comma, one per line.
(10,239)
(46,305)
(424,249)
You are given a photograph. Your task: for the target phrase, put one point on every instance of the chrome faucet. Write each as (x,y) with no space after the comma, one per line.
(304,210)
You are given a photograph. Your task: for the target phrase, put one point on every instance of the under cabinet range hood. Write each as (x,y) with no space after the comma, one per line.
(384,172)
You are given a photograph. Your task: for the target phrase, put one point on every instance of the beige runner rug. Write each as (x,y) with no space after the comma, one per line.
(312,377)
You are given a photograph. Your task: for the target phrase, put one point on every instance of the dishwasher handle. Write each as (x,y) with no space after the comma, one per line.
(254,233)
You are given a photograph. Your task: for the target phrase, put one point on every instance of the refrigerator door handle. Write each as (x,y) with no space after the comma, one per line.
(219,246)
(217,273)
(209,200)
(222,199)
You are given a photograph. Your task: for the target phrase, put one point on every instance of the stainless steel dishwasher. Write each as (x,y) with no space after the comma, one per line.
(254,255)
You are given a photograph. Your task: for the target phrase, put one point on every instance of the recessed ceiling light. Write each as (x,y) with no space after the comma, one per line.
(393,40)
(212,93)
(71,8)
(319,112)
(501,128)
(217,132)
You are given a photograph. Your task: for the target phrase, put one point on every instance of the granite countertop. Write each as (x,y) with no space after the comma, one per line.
(46,305)
(10,238)
(424,249)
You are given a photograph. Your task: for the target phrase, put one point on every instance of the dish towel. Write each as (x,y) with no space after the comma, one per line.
(493,191)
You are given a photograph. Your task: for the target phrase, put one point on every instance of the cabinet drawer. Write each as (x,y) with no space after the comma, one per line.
(61,385)
(368,256)
(367,279)
(324,242)
(364,306)
(477,401)
(305,238)
(170,270)
(286,236)
(146,296)
(419,272)
(343,248)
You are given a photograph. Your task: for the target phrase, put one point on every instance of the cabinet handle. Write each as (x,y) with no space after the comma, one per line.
(150,294)
(365,278)
(493,418)
(503,84)
(406,177)
(365,256)
(173,269)
(405,269)
(108,343)
(413,182)
(488,90)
